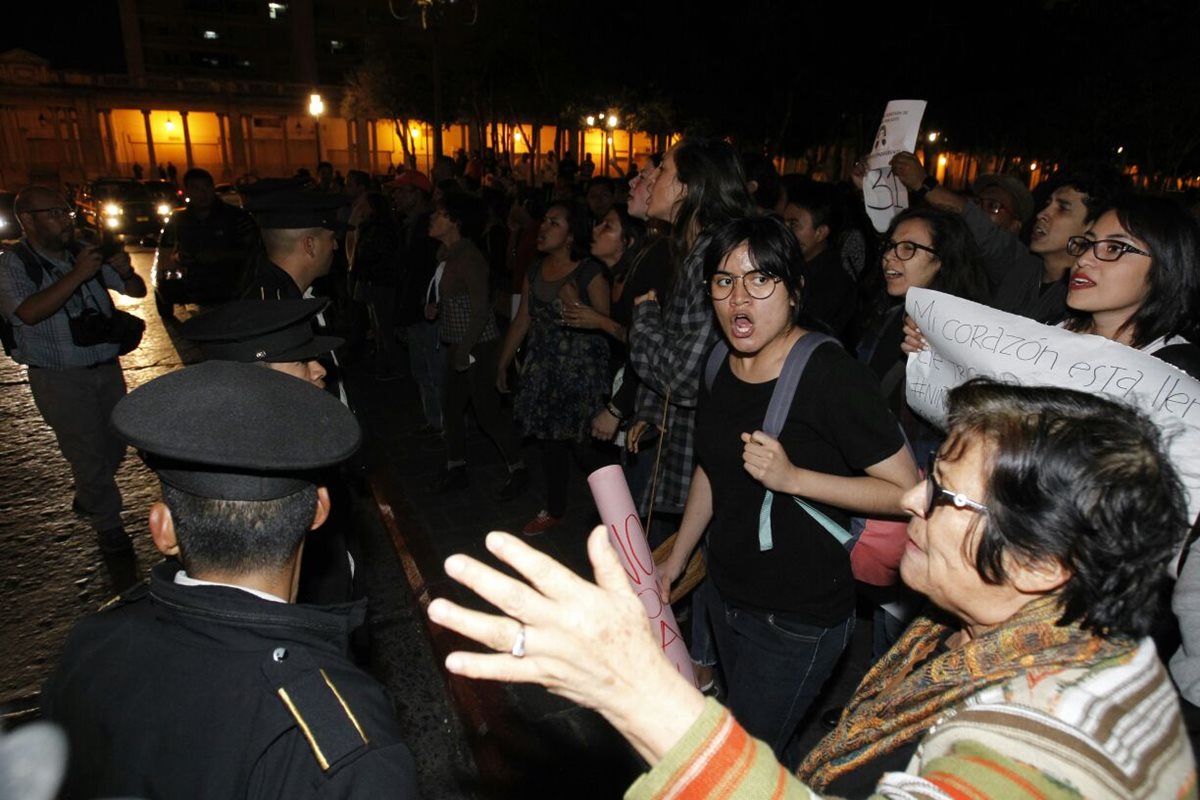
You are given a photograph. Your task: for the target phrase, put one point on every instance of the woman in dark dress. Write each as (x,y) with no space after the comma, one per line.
(564,376)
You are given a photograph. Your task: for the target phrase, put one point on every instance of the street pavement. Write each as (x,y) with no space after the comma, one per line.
(471,739)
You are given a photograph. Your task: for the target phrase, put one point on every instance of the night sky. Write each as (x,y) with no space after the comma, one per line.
(1067,77)
(80,35)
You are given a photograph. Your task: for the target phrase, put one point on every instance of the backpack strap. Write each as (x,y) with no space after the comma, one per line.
(32,261)
(777,411)
(33,269)
(716,357)
(789,379)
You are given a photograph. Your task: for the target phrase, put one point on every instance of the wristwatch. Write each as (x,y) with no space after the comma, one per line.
(930,182)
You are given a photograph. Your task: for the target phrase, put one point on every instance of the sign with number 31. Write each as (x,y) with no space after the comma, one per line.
(884,195)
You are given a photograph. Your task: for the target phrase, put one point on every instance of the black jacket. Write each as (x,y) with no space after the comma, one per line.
(211,692)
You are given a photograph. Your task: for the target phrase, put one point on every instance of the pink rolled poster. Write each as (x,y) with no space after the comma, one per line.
(619,515)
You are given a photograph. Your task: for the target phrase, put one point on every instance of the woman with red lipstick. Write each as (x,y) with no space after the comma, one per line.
(1135,278)
(781,608)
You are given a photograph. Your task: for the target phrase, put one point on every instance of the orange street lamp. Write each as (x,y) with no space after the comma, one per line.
(316,107)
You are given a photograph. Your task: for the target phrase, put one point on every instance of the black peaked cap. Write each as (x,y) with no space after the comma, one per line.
(295,208)
(260,330)
(235,431)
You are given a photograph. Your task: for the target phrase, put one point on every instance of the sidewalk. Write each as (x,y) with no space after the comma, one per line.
(527,743)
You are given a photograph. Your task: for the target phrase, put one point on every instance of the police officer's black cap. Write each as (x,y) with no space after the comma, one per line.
(234,431)
(260,330)
(295,208)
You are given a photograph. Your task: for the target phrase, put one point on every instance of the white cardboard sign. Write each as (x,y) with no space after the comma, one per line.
(883,195)
(968,339)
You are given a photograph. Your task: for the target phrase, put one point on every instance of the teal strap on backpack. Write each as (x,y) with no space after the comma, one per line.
(825,521)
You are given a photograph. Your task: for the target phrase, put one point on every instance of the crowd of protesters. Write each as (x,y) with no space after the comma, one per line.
(648,321)
(624,289)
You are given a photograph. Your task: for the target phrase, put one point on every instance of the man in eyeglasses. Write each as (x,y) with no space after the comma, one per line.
(47,279)
(1005,200)
(1030,280)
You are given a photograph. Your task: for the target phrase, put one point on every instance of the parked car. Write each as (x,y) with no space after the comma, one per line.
(167,197)
(229,194)
(121,206)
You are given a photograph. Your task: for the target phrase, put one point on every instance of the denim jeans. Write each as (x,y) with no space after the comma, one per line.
(774,666)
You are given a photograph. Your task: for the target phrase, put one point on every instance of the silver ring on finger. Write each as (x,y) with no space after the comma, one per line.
(518,648)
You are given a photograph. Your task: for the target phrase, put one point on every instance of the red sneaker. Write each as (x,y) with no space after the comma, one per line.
(541,523)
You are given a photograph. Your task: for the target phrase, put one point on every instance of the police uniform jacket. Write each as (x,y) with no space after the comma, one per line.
(268,281)
(211,692)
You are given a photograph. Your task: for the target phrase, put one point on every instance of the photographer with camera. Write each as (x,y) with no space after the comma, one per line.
(54,295)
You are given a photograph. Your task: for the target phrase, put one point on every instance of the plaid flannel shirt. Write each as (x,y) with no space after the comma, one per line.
(667,350)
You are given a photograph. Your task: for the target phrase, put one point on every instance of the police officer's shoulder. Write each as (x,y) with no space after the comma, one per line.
(134,593)
(341,712)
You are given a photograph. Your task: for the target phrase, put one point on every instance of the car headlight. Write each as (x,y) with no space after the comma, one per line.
(112,209)
(164,210)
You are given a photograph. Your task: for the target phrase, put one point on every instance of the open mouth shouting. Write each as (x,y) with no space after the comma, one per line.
(741,326)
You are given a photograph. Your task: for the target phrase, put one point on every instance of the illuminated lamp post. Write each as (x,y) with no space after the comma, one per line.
(316,107)
(608,140)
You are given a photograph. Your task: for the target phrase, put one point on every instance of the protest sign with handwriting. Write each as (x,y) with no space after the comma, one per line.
(883,194)
(968,339)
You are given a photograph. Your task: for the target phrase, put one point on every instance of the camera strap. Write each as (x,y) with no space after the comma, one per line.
(30,257)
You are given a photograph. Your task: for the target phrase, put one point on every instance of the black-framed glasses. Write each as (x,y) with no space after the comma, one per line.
(906,250)
(935,493)
(1103,249)
(757,284)
(56,212)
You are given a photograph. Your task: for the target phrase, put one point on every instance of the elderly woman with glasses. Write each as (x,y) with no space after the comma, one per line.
(1041,537)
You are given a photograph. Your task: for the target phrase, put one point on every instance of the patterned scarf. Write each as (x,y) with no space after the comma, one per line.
(910,687)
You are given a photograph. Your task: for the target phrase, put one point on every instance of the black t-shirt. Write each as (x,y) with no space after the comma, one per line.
(839,425)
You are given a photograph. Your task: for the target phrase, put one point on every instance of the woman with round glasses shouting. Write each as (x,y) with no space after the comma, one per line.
(781,608)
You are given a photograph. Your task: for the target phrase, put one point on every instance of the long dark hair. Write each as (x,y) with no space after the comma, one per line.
(715,189)
(961,272)
(1173,238)
(633,236)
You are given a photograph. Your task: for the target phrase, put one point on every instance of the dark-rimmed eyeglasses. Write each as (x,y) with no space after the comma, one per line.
(56,212)
(906,250)
(936,494)
(1103,249)
(757,284)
